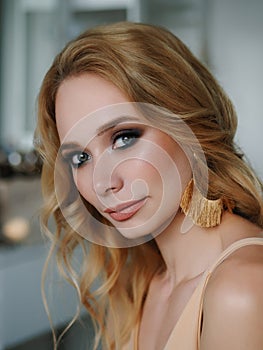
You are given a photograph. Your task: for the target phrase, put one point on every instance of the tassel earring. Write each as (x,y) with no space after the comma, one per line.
(204,212)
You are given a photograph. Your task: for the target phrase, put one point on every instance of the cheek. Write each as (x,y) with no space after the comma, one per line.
(83,182)
(166,174)
(142,178)
(158,178)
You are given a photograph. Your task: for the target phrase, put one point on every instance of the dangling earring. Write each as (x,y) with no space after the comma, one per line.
(204,212)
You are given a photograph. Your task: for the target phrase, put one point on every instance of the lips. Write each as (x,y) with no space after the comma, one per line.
(125,211)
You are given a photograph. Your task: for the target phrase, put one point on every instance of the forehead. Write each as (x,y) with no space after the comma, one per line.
(87,104)
(79,97)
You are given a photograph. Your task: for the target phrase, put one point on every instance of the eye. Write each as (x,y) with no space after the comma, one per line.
(125,138)
(77,159)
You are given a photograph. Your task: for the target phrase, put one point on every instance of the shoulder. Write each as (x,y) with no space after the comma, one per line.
(233,302)
(241,274)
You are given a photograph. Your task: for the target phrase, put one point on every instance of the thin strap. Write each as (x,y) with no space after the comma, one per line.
(233,247)
(194,307)
(226,253)
(135,338)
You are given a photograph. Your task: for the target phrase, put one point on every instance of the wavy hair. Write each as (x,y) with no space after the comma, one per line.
(151,65)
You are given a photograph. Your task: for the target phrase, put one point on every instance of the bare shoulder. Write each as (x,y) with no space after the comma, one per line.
(233,303)
(244,267)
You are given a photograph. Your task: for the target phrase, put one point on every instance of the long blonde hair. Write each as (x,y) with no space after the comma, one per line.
(151,65)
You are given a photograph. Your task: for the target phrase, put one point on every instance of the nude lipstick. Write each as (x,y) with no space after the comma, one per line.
(126,210)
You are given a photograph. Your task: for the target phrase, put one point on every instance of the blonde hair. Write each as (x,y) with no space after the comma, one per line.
(149,64)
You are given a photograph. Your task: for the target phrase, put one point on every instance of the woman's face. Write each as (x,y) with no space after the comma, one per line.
(130,171)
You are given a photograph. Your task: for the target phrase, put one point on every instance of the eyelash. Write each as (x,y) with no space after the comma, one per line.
(69,158)
(131,134)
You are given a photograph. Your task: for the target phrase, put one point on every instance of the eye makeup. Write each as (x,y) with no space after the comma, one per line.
(120,139)
(76,158)
(125,138)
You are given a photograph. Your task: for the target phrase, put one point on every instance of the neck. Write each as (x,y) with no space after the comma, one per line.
(187,253)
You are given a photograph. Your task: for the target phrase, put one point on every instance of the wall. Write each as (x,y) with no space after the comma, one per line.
(236,56)
(227,34)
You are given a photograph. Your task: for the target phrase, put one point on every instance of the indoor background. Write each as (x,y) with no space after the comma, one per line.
(227,35)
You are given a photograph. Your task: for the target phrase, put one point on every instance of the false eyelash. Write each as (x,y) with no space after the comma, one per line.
(126,132)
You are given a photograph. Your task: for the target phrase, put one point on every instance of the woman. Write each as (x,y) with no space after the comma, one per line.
(140,170)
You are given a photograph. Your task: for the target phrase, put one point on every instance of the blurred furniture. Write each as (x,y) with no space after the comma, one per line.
(22,256)
(22,314)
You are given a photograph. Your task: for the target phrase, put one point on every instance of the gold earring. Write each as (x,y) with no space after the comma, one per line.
(204,212)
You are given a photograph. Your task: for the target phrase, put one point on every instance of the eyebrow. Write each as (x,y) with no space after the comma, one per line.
(100,131)
(106,127)
(69,145)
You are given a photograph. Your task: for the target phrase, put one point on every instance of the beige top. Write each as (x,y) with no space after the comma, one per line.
(186,333)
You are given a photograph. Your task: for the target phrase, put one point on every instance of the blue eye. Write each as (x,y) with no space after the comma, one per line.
(77,159)
(125,138)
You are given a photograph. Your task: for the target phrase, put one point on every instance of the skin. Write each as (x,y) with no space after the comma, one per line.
(233,303)
(155,167)
(149,166)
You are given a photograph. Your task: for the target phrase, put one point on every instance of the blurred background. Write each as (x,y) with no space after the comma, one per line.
(227,35)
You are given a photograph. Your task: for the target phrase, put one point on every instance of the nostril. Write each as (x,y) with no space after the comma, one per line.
(107,175)
(112,189)
(106,186)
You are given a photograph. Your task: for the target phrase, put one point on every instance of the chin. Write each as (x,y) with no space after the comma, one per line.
(146,231)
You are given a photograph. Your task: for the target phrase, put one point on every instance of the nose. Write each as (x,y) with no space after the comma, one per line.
(106,178)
